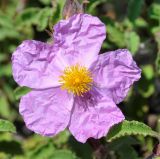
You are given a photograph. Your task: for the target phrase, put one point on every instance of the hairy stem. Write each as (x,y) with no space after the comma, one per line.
(99,150)
(72,7)
(156,152)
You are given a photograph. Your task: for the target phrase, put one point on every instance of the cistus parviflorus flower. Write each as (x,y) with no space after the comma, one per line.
(73,86)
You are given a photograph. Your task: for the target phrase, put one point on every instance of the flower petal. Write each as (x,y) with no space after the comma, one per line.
(116,71)
(31,65)
(81,36)
(93,115)
(46,112)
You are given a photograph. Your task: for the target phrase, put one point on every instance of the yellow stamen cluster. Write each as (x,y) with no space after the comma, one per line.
(76,79)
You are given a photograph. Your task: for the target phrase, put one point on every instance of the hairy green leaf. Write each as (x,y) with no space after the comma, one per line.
(20,91)
(127,128)
(6,126)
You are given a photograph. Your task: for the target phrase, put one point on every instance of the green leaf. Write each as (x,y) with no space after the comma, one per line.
(126,152)
(28,17)
(154,11)
(20,91)
(134,9)
(93,4)
(82,150)
(127,128)
(5,21)
(146,84)
(8,33)
(148,71)
(46,2)
(43,151)
(9,92)
(158,63)
(116,36)
(48,151)
(61,138)
(156,33)
(57,15)
(141,23)
(4,108)
(6,70)
(123,147)
(6,126)
(61,154)
(133,41)
(43,17)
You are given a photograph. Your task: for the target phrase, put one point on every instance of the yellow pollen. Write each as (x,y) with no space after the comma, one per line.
(76,79)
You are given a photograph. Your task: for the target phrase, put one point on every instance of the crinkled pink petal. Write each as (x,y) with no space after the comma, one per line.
(32,65)
(45,112)
(81,37)
(115,72)
(93,115)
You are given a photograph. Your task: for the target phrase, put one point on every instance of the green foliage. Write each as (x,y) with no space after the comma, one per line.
(124,148)
(6,126)
(145,86)
(132,24)
(133,42)
(156,31)
(46,2)
(116,36)
(20,91)
(43,151)
(154,11)
(93,4)
(130,128)
(134,9)
(4,108)
(61,154)
(32,16)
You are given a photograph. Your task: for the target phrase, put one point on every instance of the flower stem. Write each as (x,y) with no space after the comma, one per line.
(72,7)
(156,152)
(99,150)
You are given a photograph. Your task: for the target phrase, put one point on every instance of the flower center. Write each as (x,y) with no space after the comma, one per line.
(76,79)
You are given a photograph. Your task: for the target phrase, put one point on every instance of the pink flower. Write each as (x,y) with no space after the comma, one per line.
(72,86)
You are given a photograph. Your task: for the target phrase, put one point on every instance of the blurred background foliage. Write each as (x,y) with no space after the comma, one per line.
(132,24)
